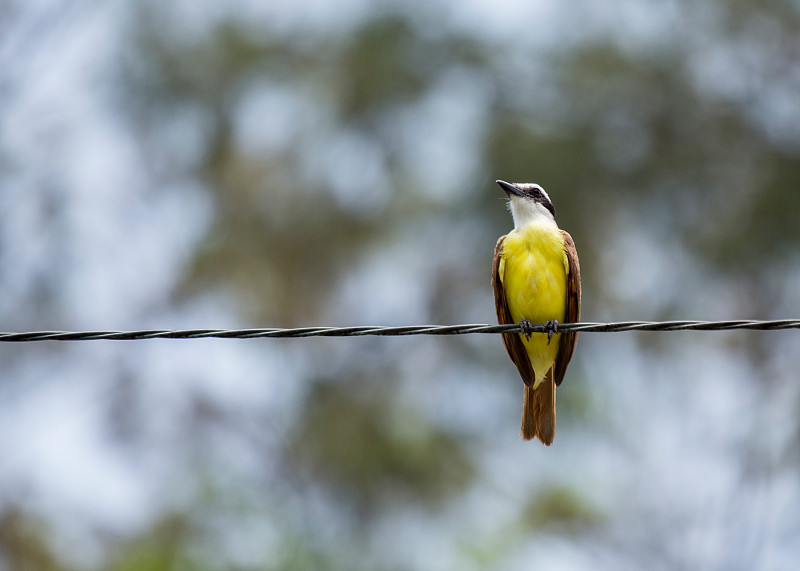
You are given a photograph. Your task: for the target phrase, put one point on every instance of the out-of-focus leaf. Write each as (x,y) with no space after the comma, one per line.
(25,544)
(561,509)
(355,438)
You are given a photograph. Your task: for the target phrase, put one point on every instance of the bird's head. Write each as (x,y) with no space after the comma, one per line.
(528,202)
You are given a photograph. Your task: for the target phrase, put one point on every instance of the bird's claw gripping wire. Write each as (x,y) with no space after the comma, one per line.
(527,328)
(551,328)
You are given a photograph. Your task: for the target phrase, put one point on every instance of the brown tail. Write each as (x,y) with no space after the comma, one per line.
(539,411)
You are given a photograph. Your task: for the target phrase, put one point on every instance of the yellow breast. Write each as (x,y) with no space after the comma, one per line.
(534,271)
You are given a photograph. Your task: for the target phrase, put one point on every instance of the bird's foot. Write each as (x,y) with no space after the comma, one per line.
(527,328)
(551,328)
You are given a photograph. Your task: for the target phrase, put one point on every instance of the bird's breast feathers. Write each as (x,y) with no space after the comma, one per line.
(534,271)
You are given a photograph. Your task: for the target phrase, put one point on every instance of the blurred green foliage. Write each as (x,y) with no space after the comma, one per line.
(357,438)
(625,138)
(25,544)
(626,131)
(560,509)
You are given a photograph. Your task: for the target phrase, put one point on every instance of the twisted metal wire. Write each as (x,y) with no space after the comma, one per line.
(373,330)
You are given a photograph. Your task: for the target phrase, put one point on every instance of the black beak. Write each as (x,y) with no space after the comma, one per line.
(509,188)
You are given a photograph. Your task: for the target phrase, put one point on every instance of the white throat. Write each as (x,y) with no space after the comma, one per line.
(527,212)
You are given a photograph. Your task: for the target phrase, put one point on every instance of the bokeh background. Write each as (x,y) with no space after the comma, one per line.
(300,162)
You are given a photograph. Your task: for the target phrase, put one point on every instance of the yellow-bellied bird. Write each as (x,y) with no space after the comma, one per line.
(537,279)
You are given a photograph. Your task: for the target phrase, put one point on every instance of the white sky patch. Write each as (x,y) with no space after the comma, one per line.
(354,167)
(112,255)
(288,16)
(234,375)
(753,70)
(524,21)
(270,117)
(778,111)
(721,71)
(677,413)
(543,24)
(439,137)
(117,228)
(390,286)
(62,458)
(643,269)
(183,135)
(279,17)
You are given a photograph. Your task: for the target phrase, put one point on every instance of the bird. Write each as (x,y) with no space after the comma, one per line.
(536,278)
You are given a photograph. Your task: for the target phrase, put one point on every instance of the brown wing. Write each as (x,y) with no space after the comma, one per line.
(512,341)
(568,340)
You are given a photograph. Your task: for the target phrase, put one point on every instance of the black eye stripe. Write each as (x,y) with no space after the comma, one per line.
(530,191)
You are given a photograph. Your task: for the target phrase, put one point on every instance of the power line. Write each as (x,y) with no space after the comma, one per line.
(374,330)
